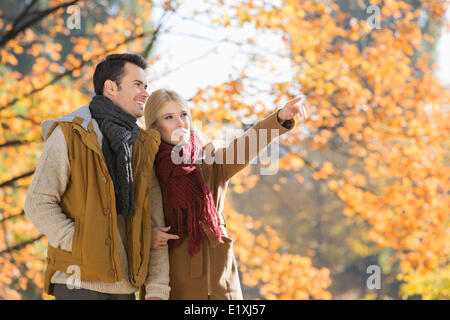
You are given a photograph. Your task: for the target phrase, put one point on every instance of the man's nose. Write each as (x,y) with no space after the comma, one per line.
(145,93)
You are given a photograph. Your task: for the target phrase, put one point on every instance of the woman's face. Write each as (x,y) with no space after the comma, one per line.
(173,123)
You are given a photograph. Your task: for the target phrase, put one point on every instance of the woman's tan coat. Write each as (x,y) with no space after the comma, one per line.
(212,272)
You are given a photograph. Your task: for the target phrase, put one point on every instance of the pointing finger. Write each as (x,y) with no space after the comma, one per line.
(299,98)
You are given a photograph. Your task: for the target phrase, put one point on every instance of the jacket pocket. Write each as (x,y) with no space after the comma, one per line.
(228,254)
(76,241)
(231,276)
(221,268)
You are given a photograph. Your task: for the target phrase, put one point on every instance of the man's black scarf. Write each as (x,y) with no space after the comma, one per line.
(119,131)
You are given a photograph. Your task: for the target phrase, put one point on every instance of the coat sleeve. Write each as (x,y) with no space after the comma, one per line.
(48,185)
(245,148)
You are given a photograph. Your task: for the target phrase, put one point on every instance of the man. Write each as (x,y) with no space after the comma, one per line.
(90,193)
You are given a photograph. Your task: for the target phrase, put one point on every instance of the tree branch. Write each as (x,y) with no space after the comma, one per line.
(22,15)
(15,143)
(9,182)
(13,216)
(149,47)
(69,72)
(39,15)
(21,245)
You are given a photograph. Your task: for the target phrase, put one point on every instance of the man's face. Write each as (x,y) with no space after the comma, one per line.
(132,94)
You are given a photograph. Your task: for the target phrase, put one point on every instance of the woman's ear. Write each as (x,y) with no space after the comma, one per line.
(154,126)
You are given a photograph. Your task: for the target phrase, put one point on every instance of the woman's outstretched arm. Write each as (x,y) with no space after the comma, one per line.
(242,150)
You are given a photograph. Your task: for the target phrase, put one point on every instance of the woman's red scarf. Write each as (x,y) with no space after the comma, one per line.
(189,198)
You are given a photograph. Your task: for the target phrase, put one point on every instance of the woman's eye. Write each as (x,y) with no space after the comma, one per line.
(168,117)
(184,114)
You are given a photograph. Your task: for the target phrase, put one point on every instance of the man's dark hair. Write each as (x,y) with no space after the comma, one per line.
(112,68)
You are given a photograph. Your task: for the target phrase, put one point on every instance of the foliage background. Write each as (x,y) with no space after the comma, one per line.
(364,182)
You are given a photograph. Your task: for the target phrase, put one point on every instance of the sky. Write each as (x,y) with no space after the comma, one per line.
(443,52)
(198,55)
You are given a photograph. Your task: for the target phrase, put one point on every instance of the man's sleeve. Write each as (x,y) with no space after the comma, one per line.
(44,195)
(157,282)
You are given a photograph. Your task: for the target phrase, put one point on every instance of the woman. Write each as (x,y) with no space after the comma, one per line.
(202,262)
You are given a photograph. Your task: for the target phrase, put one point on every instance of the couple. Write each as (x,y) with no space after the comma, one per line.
(106,192)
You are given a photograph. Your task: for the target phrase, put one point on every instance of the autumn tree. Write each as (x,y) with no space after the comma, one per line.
(377,102)
(48,51)
(47,66)
(377,106)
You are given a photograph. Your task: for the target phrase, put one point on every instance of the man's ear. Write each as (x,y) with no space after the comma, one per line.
(110,87)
